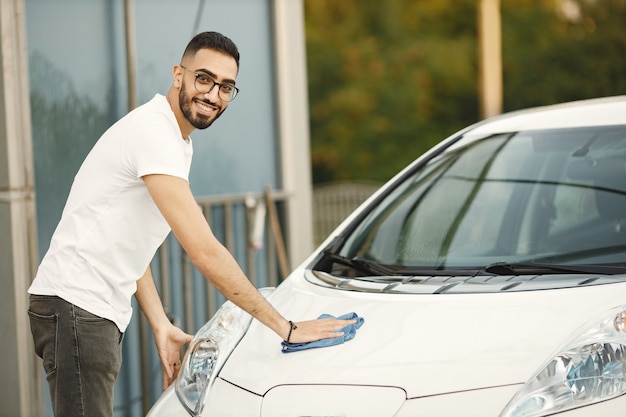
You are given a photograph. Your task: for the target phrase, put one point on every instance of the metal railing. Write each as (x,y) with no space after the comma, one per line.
(234,220)
(242,224)
(333,202)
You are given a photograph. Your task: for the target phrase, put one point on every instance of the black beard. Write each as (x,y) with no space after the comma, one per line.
(199,122)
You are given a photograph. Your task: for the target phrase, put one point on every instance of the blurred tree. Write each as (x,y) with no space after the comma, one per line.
(379,77)
(389,80)
(571,51)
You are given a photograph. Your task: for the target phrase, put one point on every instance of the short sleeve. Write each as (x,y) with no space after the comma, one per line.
(158,148)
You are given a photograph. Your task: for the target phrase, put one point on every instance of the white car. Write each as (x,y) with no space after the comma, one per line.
(491,275)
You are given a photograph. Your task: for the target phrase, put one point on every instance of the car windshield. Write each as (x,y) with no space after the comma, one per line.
(550,197)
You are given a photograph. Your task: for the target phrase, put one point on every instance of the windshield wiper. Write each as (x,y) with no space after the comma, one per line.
(521,268)
(360,264)
(372,268)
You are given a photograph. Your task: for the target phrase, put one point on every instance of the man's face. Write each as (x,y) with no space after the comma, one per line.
(202,109)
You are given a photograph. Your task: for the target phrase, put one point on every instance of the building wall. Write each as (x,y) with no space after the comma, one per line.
(78,77)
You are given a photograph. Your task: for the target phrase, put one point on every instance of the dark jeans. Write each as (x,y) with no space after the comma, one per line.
(82,355)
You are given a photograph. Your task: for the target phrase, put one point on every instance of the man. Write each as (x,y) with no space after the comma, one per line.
(130,191)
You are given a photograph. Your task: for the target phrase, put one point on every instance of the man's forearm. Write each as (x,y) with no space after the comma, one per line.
(174,198)
(149,301)
(221,269)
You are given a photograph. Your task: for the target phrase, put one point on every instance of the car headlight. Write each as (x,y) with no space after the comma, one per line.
(589,368)
(208,351)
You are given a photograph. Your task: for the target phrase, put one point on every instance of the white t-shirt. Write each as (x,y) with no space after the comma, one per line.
(110,228)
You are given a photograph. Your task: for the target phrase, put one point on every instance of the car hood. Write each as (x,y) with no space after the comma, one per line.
(425,344)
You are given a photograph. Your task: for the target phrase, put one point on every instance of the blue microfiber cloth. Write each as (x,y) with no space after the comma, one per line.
(348,334)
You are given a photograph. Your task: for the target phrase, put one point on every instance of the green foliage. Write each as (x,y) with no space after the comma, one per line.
(387,80)
(377,76)
(550,56)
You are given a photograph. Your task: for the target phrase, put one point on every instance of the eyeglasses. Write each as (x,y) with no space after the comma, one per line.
(204,84)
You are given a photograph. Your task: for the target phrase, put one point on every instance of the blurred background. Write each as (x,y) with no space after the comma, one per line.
(337,96)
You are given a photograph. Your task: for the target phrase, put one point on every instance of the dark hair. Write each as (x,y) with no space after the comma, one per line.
(212,40)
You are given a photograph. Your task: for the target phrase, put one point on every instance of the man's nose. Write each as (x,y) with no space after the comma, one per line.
(213,93)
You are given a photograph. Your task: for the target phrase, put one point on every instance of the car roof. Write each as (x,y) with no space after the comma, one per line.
(607,111)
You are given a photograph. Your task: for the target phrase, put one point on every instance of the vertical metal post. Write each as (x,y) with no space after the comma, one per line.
(293,122)
(490,58)
(131,55)
(188,300)
(211,304)
(129,37)
(21,385)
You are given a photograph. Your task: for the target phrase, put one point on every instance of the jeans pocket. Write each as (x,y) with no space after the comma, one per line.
(44,329)
(99,340)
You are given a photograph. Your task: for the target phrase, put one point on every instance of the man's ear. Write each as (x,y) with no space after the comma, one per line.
(177,73)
